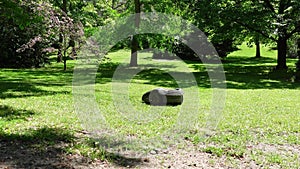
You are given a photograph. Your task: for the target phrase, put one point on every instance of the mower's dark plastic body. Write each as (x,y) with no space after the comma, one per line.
(161,97)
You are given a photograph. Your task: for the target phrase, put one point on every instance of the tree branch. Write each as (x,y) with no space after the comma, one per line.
(297,29)
(269,5)
(118,5)
(254,29)
(288,3)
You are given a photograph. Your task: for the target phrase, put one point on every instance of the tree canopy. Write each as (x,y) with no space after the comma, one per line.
(29,28)
(276,20)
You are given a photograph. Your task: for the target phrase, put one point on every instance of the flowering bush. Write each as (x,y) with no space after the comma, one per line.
(28,29)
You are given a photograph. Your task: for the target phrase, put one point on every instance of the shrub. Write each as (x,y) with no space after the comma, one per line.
(27,30)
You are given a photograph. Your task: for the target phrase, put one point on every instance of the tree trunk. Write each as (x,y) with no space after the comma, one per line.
(59,53)
(64,6)
(59,56)
(298,62)
(134,40)
(134,49)
(65,56)
(282,39)
(282,51)
(65,64)
(113,4)
(257,44)
(298,48)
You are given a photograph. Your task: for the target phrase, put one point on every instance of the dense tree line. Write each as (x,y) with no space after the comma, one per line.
(32,30)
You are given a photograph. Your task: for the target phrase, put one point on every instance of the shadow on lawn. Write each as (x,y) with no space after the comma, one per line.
(146,72)
(240,72)
(15,83)
(250,73)
(11,89)
(45,147)
(257,73)
(41,148)
(259,77)
(33,148)
(8,113)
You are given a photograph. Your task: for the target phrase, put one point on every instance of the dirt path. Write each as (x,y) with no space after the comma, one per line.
(17,155)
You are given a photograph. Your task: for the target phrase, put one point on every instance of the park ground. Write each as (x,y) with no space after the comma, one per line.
(259,126)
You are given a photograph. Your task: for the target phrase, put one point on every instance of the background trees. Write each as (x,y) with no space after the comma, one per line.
(28,28)
(276,20)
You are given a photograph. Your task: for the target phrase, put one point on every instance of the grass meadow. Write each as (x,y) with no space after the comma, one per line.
(260,122)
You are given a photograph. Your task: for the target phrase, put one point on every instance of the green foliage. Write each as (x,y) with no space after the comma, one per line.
(29,29)
(224,34)
(91,14)
(20,27)
(226,23)
(205,15)
(276,21)
(293,46)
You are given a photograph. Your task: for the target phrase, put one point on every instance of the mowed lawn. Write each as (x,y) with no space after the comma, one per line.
(259,124)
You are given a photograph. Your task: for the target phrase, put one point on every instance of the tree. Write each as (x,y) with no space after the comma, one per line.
(69,27)
(65,40)
(70,32)
(276,20)
(257,45)
(257,40)
(24,33)
(61,40)
(134,40)
(29,29)
(223,34)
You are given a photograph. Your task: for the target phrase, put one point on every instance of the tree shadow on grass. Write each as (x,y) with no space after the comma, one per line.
(253,73)
(149,75)
(259,77)
(45,147)
(248,60)
(12,89)
(32,148)
(146,72)
(8,113)
(257,73)
(156,77)
(240,72)
(16,83)
(42,76)
(106,72)
(41,148)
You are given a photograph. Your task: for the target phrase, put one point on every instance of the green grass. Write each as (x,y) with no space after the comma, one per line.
(262,108)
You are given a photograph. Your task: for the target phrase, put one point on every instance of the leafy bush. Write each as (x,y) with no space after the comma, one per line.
(225,47)
(27,30)
(293,47)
